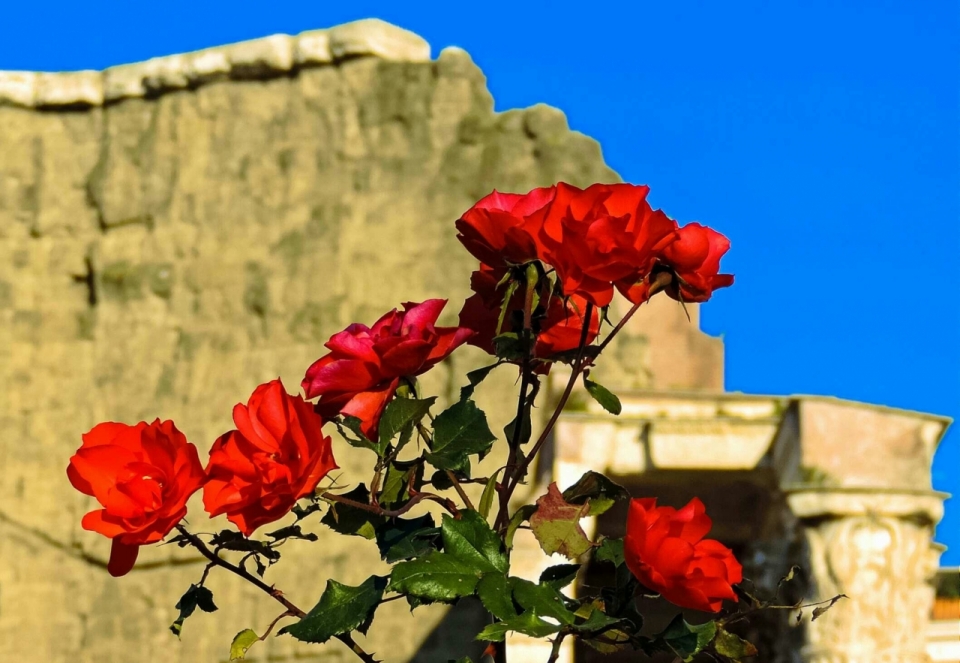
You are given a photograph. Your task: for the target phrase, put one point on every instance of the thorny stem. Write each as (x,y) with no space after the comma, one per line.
(414,500)
(557,643)
(661,281)
(463,495)
(292,609)
(578,365)
(514,443)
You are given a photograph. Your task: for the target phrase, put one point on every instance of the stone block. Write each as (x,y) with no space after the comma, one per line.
(372,36)
(69,89)
(18,88)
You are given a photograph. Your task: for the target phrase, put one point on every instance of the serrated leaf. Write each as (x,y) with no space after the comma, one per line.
(242,642)
(606,398)
(437,576)
(195,597)
(489,492)
(686,639)
(597,622)
(400,414)
(471,539)
(732,645)
(349,423)
(610,550)
(542,600)
(559,576)
(341,609)
(528,623)
(347,519)
(475,377)
(495,593)
(594,488)
(401,538)
(556,525)
(458,432)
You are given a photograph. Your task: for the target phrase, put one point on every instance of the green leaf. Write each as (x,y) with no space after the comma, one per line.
(732,645)
(520,515)
(510,429)
(471,539)
(195,597)
(597,622)
(459,431)
(475,377)
(560,576)
(437,576)
(528,623)
(397,479)
(495,594)
(614,640)
(401,413)
(489,492)
(556,525)
(242,641)
(606,398)
(291,532)
(354,425)
(402,538)
(542,600)
(505,305)
(685,639)
(341,609)
(598,490)
(347,519)
(610,550)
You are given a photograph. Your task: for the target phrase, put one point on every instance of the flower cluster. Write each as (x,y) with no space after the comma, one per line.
(551,262)
(143,475)
(597,240)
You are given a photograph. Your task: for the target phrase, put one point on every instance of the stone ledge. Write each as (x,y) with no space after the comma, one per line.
(269,57)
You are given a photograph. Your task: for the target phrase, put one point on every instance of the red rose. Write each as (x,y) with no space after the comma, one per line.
(694,257)
(603,235)
(665,549)
(498,231)
(277,455)
(143,476)
(361,372)
(558,329)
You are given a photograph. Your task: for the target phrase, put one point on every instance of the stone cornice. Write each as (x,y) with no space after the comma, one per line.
(269,57)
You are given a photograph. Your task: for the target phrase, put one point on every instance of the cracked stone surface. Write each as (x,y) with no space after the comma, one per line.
(160,256)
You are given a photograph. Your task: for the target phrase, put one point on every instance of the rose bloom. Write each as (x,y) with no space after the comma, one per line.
(276,455)
(558,329)
(498,231)
(694,258)
(360,374)
(665,549)
(142,476)
(600,236)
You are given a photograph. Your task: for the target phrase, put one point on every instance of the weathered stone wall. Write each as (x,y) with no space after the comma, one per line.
(174,233)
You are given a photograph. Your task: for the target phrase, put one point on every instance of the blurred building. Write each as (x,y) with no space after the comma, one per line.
(177,231)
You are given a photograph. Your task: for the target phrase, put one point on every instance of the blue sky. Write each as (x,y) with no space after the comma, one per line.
(821,137)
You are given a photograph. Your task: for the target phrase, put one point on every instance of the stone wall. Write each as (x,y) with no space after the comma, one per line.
(172,233)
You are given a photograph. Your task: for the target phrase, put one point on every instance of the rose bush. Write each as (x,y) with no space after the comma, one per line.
(665,549)
(142,476)
(276,456)
(551,260)
(362,371)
